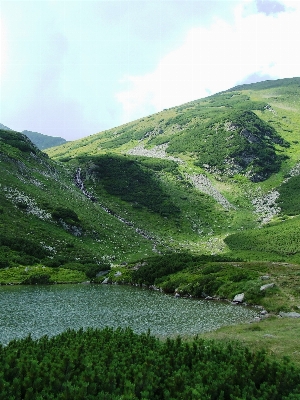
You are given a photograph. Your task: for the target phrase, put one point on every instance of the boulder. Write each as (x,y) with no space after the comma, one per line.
(289,314)
(267,286)
(264,312)
(239,298)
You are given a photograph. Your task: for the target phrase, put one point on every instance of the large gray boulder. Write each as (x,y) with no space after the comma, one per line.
(239,298)
(289,314)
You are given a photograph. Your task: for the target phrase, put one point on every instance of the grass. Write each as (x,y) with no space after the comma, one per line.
(154,195)
(278,336)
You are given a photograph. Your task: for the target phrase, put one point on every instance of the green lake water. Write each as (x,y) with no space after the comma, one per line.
(49,310)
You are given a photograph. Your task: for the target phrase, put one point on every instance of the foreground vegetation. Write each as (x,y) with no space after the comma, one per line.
(119,364)
(201,200)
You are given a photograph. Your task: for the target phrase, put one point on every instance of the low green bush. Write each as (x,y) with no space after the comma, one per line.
(119,364)
(38,278)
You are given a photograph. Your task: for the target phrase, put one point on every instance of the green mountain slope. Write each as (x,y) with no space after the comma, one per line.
(205,177)
(44,141)
(220,161)
(45,218)
(41,141)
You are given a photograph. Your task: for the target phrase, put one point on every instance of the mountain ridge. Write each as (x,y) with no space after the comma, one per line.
(40,140)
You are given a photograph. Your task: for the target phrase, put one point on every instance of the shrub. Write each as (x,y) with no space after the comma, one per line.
(114,364)
(66,214)
(39,278)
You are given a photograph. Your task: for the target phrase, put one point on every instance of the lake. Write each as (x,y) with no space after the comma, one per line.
(48,310)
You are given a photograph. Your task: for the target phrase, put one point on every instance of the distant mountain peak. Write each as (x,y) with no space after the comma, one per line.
(44,141)
(5,128)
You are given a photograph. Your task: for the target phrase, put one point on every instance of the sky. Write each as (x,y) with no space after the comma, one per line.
(76,68)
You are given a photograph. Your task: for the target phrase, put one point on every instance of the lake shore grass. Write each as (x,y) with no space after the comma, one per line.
(278,336)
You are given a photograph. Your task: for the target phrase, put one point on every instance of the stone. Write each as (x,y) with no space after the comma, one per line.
(105,281)
(239,298)
(153,287)
(267,286)
(264,312)
(289,314)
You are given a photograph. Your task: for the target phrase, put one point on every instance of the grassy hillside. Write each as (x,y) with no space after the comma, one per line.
(223,164)
(214,176)
(44,217)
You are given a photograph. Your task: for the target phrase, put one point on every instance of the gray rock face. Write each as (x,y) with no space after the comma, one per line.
(239,298)
(202,183)
(267,286)
(289,314)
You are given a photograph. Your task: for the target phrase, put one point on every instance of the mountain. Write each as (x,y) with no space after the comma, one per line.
(44,141)
(217,177)
(40,140)
(5,128)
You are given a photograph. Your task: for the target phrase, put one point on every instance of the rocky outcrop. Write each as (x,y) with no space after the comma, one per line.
(202,183)
(265,206)
(156,152)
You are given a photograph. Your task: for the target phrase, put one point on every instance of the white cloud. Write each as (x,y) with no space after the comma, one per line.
(216,58)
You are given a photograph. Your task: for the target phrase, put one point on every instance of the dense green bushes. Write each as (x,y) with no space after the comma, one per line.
(66,214)
(119,364)
(279,239)
(17,140)
(133,182)
(89,268)
(37,279)
(288,200)
(161,266)
(21,250)
(238,135)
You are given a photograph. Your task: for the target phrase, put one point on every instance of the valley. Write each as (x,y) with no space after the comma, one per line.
(199,200)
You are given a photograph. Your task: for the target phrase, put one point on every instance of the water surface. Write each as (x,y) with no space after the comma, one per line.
(48,310)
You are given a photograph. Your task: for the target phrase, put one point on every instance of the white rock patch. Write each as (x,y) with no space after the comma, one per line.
(202,183)
(156,152)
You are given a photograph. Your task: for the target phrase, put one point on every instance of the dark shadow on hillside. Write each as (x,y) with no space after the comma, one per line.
(131,181)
